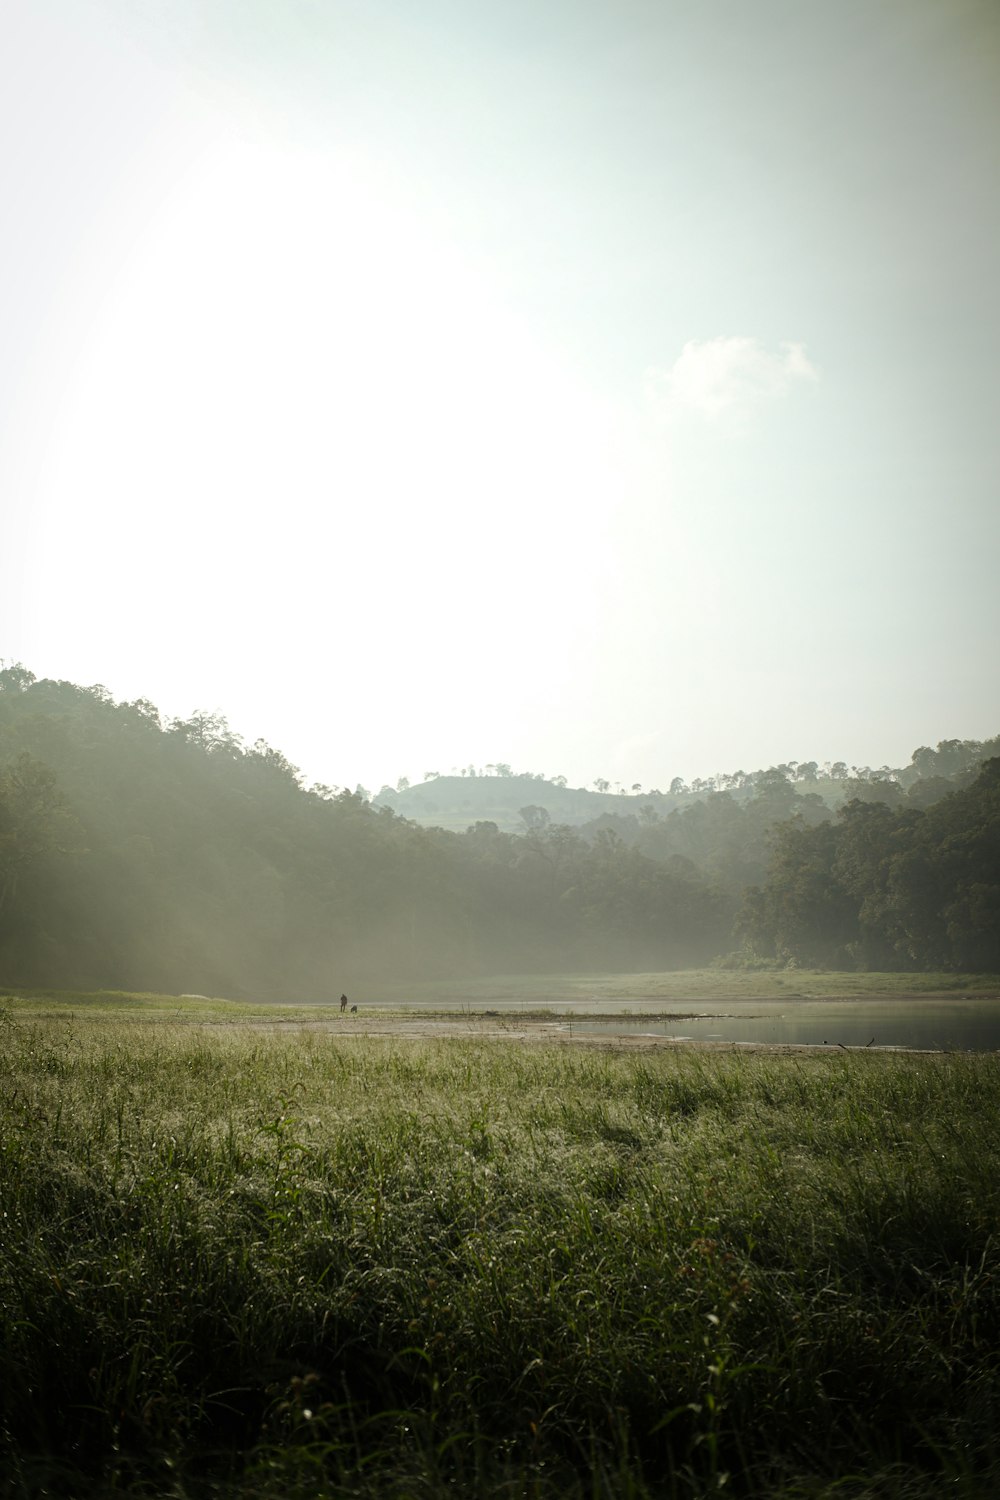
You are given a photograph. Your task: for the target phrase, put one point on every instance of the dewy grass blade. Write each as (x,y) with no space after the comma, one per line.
(662,1269)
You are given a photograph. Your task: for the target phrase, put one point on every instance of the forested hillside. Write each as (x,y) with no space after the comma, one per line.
(135,854)
(886,888)
(497,793)
(138,854)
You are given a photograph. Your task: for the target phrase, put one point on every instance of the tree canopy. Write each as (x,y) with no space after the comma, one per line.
(138,854)
(886,887)
(142,854)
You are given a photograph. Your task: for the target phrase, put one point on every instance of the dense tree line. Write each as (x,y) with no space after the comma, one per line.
(138,854)
(724,839)
(141,855)
(886,887)
(729,839)
(497,794)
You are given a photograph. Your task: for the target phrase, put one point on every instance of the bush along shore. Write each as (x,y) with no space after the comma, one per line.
(240,1265)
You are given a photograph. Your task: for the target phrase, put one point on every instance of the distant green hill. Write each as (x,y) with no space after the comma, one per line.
(457,802)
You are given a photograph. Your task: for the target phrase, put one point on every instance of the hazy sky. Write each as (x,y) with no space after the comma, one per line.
(607,387)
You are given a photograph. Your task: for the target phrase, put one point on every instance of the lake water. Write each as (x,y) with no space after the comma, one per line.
(951,1025)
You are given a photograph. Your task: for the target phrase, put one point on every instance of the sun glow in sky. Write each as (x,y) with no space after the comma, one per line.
(603,389)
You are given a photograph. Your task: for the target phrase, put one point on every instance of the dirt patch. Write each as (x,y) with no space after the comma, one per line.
(552,1031)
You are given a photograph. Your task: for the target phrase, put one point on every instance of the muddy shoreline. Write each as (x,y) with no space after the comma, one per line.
(559,1031)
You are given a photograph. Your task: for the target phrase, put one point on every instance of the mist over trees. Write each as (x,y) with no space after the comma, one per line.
(497,792)
(141,855)
(886,888)
(170,856)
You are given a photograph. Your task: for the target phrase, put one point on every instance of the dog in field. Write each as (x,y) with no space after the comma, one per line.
(354,1010)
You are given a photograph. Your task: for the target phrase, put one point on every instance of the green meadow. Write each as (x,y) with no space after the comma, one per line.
(308,1264)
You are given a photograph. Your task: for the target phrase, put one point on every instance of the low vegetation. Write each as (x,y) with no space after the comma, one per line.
(240,1264)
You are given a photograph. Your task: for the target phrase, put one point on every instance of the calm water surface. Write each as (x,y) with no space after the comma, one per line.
(952,1025)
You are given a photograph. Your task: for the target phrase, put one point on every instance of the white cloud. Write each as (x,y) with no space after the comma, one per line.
(726,378)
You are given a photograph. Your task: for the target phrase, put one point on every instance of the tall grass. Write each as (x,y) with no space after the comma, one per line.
(242,1265)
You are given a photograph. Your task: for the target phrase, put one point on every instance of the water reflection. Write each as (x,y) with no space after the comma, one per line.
(950,1026)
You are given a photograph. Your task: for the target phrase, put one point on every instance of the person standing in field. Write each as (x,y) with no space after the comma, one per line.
(343,1004)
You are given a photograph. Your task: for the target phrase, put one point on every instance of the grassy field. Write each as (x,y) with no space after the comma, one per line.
(246,1265)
